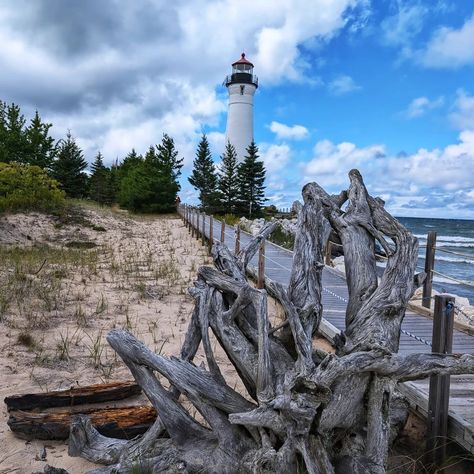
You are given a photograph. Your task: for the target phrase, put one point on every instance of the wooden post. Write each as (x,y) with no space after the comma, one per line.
(211,232)
(438,400)
(203,233)
(328,259)
(237,239)
(429,266)
(261,266)
(191,222)
(196,224)
(222,230)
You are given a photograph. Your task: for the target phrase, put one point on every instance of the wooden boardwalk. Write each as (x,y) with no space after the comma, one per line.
(415,337)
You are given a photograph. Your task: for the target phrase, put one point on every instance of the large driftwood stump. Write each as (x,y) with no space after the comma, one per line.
(309,411)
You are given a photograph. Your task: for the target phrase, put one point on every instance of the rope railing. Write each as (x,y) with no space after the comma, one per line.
(459,254)
(265,257)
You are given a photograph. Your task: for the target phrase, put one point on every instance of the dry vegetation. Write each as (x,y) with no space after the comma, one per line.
(64,283)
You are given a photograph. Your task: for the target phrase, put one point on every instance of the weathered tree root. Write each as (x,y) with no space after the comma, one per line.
(326,412)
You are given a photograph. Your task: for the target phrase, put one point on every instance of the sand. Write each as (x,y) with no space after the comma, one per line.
(57,304)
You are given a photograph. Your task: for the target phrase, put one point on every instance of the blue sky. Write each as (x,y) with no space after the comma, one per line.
(384,86)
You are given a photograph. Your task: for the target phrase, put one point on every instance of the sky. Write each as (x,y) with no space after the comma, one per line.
(384,86)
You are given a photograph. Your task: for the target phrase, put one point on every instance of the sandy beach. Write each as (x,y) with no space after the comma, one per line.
(60,298)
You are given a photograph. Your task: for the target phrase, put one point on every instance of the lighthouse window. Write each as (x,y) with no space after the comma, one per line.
(242,88)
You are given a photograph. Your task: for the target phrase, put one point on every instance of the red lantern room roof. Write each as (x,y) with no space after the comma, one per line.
(242,60)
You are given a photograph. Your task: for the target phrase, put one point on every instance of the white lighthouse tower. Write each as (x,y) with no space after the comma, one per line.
(241,85)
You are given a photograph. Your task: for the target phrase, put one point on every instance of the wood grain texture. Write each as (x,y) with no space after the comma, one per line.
(311,411)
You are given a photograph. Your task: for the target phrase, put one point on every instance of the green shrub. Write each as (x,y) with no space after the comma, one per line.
(26,187)
(230,219)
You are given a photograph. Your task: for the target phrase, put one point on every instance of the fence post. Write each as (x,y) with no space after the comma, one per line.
(328,255)
(222,230)
(237,239)
(191,222)
(196,224)
(261,266)
(211,232)
(438,400)
(203,234)
(429,266)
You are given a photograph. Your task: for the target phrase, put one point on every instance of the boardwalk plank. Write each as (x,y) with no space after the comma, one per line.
(335,295)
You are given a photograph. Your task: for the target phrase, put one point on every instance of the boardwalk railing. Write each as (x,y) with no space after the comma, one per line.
(209,229)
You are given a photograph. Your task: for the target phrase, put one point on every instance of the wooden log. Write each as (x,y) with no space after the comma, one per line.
(74,396)
(122,423)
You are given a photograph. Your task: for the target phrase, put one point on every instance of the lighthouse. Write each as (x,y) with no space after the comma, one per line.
(241,85)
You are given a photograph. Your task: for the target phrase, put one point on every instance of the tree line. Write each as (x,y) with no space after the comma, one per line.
(231,187)
(139,183)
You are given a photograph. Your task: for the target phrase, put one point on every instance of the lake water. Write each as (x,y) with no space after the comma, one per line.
(454,254)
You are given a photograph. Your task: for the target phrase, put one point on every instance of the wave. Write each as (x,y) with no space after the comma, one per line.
(454,260)
(466,245)
(448,238)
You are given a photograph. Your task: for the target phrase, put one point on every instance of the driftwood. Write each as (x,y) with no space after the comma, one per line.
(74,396)
(305,410)
(122,422)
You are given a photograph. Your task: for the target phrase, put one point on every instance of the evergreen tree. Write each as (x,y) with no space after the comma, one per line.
(99,182)
(203,176)
(3,132)
(69,166)
(41,147)
(151,184)
(169,170)
(14,145)
(251,179)
(129,162)
(228,187)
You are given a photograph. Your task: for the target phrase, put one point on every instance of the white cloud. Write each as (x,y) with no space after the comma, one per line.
(332,162)
(400,28)
(343,84)
(462,116)
(449,47)
(119,74)
(294,132)
(428,182)
(274,157)
(421,105)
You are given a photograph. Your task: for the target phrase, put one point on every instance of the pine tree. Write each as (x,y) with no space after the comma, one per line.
(251,179)
(228,186)
(169,167)
(15,144)
(41,147)
(203,176)
(99,182)
(151,184)
(3,132)
(69,166)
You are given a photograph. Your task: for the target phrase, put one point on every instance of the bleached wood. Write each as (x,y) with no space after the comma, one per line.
(331,413)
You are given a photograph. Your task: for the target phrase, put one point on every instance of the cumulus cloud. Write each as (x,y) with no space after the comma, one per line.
(286,132)
(409,182)
(274,157)
(462,116)
(332,162)
(120,73)
(450,47)
(343,84)
(421,105)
